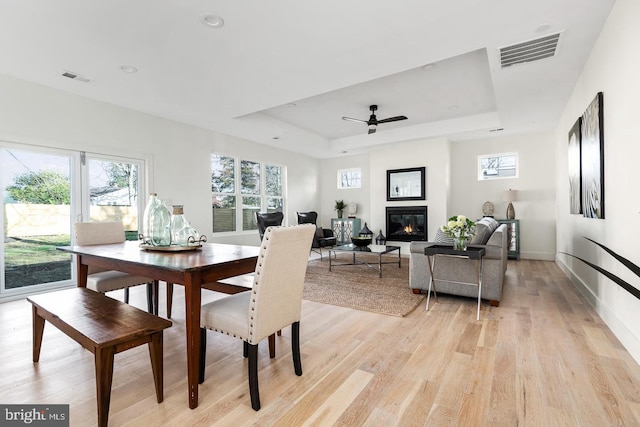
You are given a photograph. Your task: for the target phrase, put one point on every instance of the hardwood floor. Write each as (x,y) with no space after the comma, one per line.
(543,358)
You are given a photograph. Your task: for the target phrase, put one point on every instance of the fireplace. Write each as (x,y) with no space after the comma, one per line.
(406,223)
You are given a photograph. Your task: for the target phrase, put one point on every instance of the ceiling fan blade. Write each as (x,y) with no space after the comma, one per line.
(392,119)
(355,120)
(371,130)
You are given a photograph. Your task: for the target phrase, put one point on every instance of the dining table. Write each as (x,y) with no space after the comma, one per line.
(194,268)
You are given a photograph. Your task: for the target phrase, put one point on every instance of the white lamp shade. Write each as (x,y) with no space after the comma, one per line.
(510,195)
(352,208)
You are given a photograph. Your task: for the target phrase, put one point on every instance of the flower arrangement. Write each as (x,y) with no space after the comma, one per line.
(461,228)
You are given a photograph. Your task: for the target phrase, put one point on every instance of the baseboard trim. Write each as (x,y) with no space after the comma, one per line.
(540,256)
(629,340)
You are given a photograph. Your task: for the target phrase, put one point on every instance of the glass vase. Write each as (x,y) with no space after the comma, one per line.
(181,230)
(460,243)
(158,222)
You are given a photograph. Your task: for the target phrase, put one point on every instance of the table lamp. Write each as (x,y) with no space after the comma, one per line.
(510,196)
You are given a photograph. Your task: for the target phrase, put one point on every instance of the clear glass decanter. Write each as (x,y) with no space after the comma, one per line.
(159,222)
(181,230)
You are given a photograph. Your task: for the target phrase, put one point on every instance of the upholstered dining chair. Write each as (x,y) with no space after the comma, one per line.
(274,301)
(101,280)
(323,237)
(264,220)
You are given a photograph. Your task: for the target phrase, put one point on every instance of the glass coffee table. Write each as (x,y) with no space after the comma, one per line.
(370,250)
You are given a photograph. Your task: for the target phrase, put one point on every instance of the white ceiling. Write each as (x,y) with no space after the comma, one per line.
(331,59)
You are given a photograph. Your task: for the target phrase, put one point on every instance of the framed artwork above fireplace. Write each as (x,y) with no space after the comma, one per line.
(406,184)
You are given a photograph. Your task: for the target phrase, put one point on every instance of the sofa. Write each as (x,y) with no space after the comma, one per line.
(451,271)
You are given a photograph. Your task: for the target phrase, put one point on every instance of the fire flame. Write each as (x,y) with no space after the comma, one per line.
(408,229)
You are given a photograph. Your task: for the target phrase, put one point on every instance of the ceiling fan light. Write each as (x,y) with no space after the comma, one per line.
(372,126)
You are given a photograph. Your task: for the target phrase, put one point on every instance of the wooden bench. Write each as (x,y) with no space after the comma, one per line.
(103,326)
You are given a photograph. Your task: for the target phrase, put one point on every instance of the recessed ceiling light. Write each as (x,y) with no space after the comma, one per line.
(129,69)
(275,137)
(428,67)
(212,20)
(453,107)
(542,28)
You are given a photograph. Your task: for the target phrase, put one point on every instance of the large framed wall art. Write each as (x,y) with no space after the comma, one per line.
(592,159)
(575,175)
(586,162)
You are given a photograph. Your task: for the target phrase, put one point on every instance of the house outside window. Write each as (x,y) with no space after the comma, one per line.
(497,166)
(349,178)
(240,188)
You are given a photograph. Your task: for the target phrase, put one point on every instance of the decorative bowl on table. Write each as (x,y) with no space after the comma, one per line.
(361,241)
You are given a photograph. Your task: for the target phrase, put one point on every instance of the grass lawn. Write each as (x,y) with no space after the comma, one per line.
(35,250)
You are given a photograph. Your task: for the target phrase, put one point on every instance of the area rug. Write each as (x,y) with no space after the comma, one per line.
(359,287)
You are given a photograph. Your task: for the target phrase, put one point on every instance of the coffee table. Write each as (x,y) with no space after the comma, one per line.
(371,249)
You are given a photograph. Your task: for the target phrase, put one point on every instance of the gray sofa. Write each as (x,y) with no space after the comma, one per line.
(449,271)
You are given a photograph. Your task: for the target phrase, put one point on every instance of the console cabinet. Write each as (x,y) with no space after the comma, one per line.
(345,228)
(513,235)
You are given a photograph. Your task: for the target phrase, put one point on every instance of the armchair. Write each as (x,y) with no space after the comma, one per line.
(266,219)
(323,237)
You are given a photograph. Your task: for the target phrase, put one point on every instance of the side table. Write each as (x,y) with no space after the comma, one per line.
(472,252)
(513,234)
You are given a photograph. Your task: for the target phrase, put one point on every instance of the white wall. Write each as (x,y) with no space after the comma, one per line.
(612,68)
(177,155)
(535,183)
(329,191)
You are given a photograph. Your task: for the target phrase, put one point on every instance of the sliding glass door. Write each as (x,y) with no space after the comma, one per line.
(37,212)
(44,193)
(114,189)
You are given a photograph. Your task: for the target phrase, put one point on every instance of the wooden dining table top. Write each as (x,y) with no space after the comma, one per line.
(208,255)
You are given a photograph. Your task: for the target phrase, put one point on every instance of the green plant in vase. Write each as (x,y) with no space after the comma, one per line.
(339,207)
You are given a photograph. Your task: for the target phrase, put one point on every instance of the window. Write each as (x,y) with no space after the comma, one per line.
(349,178)
(240,188)
(496,166)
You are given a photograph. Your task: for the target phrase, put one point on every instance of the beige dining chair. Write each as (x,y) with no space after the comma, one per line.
(102,280)
(274,302)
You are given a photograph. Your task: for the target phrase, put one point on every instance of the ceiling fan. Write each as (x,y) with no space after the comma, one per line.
(373,122)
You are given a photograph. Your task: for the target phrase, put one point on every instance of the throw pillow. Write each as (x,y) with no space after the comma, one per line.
(319,232)
(443,238)
(491,222)
(482,234)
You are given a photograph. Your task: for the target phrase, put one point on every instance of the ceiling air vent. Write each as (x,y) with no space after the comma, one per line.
(529,51)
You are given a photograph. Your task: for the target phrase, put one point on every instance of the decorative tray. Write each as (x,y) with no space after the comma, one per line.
(171,248)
